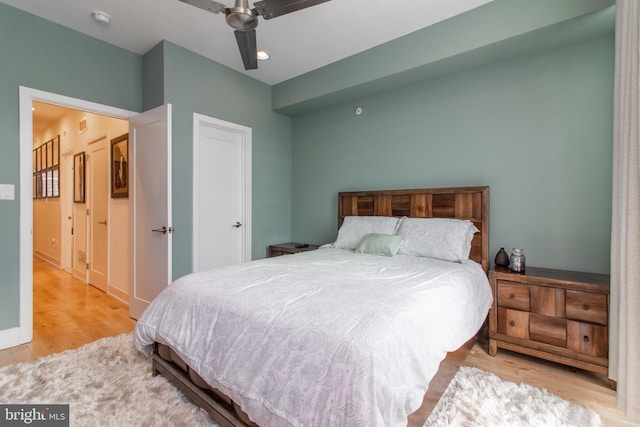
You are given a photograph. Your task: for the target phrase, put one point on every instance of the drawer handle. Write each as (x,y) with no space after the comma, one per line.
(512,323)
(512,296)
(585,338)
(585,307)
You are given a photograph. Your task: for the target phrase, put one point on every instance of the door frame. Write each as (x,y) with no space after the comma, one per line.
(24,332)
(200,120)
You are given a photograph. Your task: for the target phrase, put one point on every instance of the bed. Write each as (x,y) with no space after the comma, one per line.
(339,336)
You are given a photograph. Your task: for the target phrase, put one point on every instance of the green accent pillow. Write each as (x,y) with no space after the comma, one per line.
(379,244)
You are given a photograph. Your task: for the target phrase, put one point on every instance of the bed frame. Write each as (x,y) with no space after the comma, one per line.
(471,203)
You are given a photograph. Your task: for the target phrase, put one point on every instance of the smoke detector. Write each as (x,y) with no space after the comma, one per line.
(101,18)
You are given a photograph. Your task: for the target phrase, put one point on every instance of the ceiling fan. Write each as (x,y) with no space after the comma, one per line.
(245,20)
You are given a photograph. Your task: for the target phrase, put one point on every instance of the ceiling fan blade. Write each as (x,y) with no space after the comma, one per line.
(208,5)
(247,45)
(274,8)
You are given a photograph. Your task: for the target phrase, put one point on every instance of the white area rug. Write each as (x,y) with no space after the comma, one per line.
(479,398)
(109,383)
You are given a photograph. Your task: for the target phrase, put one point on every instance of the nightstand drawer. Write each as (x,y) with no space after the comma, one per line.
(275,252)
(513,295)
(587,306)
(548,301)
(548,329)
(513,323)
(587,338)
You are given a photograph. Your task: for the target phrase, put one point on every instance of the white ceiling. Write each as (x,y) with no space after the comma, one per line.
(44,115)
(298,42)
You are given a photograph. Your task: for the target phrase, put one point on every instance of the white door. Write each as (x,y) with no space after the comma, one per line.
(221,193)
(150,206)
(66,211)
(98,172)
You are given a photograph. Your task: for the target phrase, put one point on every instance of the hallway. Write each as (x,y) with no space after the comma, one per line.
(67,314)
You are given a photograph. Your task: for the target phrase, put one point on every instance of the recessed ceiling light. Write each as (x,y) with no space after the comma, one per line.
(262,55)
(101,18)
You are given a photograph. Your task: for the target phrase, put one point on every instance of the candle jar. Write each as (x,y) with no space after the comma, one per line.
(502,259)
(517,260)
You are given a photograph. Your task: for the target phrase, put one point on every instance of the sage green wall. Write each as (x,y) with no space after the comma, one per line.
(41,55)
(153,77)
(45,56)
(537,129)
(493,32)
(192,83)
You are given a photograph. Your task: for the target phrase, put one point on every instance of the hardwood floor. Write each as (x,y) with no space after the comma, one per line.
(68,314)
(585,388)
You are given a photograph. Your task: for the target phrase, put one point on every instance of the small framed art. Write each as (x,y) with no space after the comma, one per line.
(120,166)
(78,178)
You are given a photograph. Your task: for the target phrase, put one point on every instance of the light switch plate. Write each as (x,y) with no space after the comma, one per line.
(7,192)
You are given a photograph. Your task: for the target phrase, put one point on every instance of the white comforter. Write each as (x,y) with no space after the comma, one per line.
(322,338)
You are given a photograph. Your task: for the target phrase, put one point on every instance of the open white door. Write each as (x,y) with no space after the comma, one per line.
(98,172)
(150,206)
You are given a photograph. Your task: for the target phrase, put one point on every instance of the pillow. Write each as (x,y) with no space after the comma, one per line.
(379,244)
(440,238)
(354,228)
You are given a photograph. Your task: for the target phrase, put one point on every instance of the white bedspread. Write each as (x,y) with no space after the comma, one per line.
(321,338)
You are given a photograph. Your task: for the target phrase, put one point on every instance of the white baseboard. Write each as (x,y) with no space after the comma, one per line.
(80,275)
(47,258)
(12,338)
(119,295)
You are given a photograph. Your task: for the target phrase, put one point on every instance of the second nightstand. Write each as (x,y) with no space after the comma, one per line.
(552,314)
(290,248)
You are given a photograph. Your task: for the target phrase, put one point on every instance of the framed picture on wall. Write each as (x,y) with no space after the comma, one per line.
(56,151)
(49,180)
(120,166)
(56,182)
(49,155)
(39,158)
(78,178)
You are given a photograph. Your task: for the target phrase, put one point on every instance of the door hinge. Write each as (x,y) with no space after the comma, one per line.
(87,266)
(87,212)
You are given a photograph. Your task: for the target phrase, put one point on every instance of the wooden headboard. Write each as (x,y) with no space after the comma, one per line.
(470,203)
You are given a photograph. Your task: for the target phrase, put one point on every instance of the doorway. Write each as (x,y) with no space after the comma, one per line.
(221,193)
(71,227)
(24,333)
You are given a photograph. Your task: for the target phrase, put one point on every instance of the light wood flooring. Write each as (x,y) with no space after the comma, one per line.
(69,313)
(585,388)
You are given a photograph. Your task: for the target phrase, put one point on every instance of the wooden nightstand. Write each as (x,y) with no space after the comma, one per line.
(290,248)
(556,315)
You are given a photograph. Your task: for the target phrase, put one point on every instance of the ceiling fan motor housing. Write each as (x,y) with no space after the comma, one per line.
(241,17)
(245,20)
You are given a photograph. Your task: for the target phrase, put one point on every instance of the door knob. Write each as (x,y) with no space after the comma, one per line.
(103,222)
(162,230)
(237,224)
